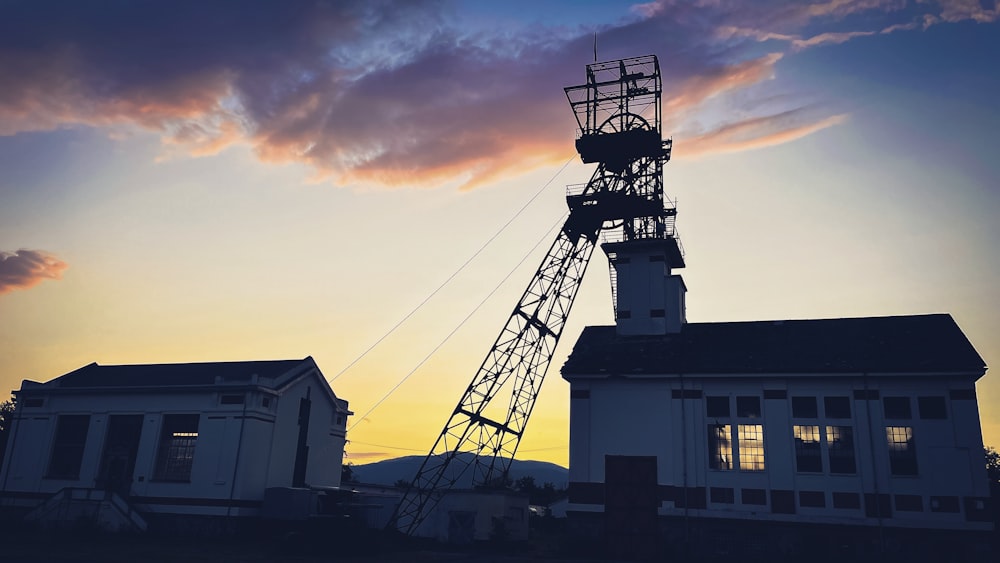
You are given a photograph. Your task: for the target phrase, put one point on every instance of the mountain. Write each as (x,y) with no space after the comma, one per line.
(388,471)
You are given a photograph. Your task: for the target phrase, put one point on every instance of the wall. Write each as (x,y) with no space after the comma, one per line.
(648,417)
(216,487)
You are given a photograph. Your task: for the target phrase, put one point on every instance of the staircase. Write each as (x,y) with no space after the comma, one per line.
(106,510)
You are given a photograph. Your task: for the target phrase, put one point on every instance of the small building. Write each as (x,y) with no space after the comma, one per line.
(798,436)
(458,517)
(197,439)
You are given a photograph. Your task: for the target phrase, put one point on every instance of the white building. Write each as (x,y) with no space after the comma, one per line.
(202,439)
(790,434)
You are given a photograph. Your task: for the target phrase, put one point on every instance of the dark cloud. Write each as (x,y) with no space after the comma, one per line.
(395,92)
(26,268)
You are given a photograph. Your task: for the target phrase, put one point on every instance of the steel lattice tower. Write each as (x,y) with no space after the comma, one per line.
(618,111)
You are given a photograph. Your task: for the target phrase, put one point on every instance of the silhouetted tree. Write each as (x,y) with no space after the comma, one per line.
(401,484)
(993,466)
(6,419)
(347,473)
(544,495)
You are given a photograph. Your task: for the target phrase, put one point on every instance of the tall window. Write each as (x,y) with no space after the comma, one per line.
(67,448)
(808,456)
(720,448)
(176,451)
(751,446)
(902,450)
(840,445)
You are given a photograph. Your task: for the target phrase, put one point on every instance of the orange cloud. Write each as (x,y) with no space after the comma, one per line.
(753,133)
(711,83)
(27,268)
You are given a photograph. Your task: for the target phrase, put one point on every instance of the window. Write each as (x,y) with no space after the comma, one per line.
(897,407)
(808,457)
(840,446)
(932,408)
(67,447)
(804,407)
(902,450)
(176,452)
(231,399)
(753,496)
(722,495)
(720,448)
(846,500)
(717,407)
(625,314)
(34,402)
(657,313)
(837,407)
(909,503)
(944,504)
(748,407)
(751,446)
(265,402)
(814,499)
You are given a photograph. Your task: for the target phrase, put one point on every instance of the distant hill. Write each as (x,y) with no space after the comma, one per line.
(388,471)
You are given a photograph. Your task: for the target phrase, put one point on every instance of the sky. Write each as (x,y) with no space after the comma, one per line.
(240,180)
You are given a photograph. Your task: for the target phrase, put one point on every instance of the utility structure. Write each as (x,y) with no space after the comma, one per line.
(619,115)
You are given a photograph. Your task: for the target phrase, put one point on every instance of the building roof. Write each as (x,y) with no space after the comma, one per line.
(900,344)
(268,373)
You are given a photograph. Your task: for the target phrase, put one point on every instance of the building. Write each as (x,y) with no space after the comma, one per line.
(199,439)
(458,517)
(800,436)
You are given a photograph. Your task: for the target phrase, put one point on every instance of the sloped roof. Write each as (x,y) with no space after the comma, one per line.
(169,375)
(900,344)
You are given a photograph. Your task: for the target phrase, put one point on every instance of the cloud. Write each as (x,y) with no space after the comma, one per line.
(962,10)
(756,132)
(834,38)
(390,92)
(713,82)
(27,268)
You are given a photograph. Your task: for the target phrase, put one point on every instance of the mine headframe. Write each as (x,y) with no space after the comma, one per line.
(618,111)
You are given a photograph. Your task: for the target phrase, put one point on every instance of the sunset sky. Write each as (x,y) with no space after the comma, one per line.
(186,181)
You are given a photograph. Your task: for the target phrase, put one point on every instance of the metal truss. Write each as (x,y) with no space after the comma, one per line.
(625,196)
(485,439)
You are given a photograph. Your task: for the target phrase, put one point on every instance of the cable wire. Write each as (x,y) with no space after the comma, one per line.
(452,276)
(461,324)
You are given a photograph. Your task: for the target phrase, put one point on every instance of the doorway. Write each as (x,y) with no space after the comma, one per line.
(120,448)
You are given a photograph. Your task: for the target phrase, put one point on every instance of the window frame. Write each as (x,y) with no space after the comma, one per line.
(716,458)
(750,451)
(836,455)
(805,407)
(69,442)
(808,452)
(902,453)
(176,447)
